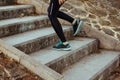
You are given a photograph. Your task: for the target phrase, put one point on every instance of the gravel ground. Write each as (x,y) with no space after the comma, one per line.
(11,70)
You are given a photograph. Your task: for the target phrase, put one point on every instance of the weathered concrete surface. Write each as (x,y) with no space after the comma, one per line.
(94,66)
(18,25)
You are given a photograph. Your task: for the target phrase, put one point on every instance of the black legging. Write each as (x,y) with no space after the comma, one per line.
(53,13)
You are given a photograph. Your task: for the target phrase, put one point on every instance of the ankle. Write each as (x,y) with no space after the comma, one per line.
(74,21)
(65,43)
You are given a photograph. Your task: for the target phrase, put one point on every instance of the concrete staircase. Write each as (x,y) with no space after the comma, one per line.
(34,36)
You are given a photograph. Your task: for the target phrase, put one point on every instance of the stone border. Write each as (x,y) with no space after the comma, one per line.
(106,71)
(106,41)
(25,60)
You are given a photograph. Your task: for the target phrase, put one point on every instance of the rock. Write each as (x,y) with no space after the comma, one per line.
(92,16)
(104,22)
(114,20)
(98,11)
(86,20)
(68,6)
(76,2)
(78,11)
(108,31)
(112,11)
(98,27)
(118,35)
(117,29)
(115,3)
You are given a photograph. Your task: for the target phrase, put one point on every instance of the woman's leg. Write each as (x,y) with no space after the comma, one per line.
(76,23)
(53,11)
(64,16)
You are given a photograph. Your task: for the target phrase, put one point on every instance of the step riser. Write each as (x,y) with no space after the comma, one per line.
(63,63)
(103,75)
(16,13)
(35,45)
(7,2)
(23,27)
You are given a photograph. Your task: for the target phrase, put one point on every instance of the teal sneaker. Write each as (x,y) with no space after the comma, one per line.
(61,46)
(77,26)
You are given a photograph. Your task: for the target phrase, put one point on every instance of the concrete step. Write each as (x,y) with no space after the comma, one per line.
(7,2)
(59,60)
(18,25)
(93,67)
(14,11)
(35,40)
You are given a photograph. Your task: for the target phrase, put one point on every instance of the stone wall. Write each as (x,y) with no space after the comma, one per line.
(99,14)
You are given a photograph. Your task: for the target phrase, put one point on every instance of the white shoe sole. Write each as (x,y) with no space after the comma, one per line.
(63,49)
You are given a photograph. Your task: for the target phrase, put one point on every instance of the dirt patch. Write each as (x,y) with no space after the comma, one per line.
(12,70)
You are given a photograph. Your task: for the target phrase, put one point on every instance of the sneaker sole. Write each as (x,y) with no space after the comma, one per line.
(79,28)
(63,49)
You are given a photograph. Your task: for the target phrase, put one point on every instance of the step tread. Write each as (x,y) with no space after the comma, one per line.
(30,35)
(48,54)
(21,20)
(89,66)
(7,8)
